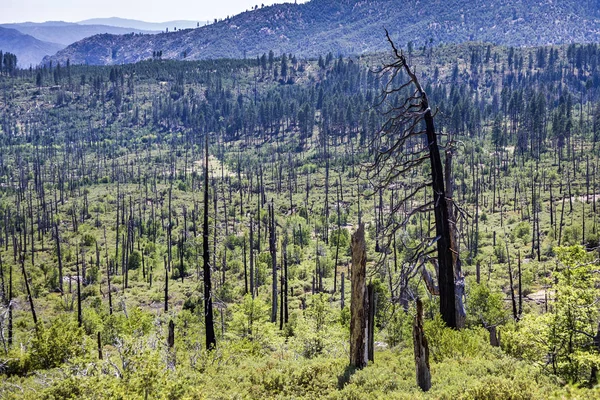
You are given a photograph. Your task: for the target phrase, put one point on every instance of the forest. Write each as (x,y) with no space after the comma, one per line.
(196,229)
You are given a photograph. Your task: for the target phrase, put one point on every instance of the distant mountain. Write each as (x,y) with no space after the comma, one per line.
(142,25)
(65,33)
(355,27)
(29,50)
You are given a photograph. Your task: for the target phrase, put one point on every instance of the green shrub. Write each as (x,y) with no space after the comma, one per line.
(49,347)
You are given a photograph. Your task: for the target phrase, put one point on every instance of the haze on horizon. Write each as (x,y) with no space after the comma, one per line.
(145,10)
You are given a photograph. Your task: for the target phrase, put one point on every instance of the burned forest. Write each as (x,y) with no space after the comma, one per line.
(417,223)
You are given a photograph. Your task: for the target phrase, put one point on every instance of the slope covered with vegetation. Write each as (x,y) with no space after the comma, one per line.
(101,237)
(352,27)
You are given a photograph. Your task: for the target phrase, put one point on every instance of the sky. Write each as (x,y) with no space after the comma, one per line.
(145,10)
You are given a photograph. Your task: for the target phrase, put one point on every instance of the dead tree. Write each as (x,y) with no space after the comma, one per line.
(273,251)
(406,141)
(421,350)
(99,346)
(358,312)
(211,341)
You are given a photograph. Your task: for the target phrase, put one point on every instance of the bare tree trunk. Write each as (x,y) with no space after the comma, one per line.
(166,287)
(273,250)
(27,288)
(421,350)
(358,322)
(10,305)
(371,309)
(171,336)
(211,341)
(494,336)
(79,317)
(99,346)
(342,289)
(251,257)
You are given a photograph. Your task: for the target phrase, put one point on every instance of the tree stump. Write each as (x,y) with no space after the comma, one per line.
(358,317)
(421,350)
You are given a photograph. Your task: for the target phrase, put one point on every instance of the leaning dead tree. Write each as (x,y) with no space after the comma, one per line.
(407,141)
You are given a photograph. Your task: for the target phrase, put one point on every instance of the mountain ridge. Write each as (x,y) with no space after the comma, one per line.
(352,27)
(66,33)
(29,50)
(142,25)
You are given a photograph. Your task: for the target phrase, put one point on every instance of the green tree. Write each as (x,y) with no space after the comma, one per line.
(573,328)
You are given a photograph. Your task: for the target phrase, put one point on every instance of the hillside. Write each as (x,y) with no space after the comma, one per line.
(353,27)
(29,50)
(65,33)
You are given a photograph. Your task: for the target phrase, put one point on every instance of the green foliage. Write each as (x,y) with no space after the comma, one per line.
(135,260)
(484,305)
(49,347)
(250,322)
(563,336)
(576,314)
(449,343)
(344,238)
(88,240)
(521,231)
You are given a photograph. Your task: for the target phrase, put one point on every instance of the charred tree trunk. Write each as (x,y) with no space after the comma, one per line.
(79,319)
(166,287)
(358,312)
(99,346)
(273,251)
(447,256)
(342,292)
(211,341)
(421,350)
(251,257)
(28,289)
(10,305)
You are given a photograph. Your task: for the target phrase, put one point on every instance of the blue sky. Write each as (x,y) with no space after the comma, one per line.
(147,10)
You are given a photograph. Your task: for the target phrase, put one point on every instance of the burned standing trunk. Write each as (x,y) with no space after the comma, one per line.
(252,257)
(337,245)
(273,251)
(512,287)
(99,346)
(494,336)
(10,305)
(79,318)
(211,341)
(110,307)
(371,309)
(446,253)
(286,309)
(421,350)
(417,111)
(171,335)
(59,256)
(171,356)
(245,258)
(358,312)
(166,288)
(28,289)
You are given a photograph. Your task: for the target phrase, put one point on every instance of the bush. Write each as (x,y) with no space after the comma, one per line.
(521,231)
(88,240)
(49,348)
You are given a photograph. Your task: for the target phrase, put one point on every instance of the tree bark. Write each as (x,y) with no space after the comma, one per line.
(358,321)
(421,350)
